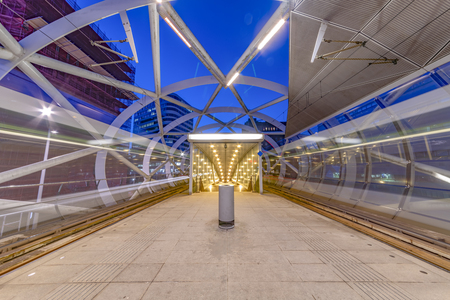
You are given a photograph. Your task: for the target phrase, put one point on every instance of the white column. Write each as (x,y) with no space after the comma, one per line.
(191,161)
(42,180)
(260,170)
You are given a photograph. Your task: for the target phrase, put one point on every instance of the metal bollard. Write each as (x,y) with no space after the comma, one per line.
(226,206)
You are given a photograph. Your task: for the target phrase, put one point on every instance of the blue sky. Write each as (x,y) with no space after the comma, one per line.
(225,29)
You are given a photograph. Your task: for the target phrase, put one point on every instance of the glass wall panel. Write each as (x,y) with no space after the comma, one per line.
(389,155)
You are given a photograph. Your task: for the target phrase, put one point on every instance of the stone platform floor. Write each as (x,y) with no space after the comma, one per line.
(278,250)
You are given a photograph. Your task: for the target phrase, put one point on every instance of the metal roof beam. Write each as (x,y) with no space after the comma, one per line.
(129,33)
(282,12)
(69,69)
(270,103)
(154,32)
(238,97)
(167,10)
(208,104)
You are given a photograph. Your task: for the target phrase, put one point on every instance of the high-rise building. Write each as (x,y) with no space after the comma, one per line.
(146,121)
(266,127)
(22,17)
(95,100)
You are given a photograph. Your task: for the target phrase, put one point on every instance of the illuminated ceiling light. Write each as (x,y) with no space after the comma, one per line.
(46,111)
(177,32)
(233,78)
(234,154)
(214,151)
(192,137)
(212,146)
(271,34)
(159,1)
(54,131)
(236,151)
(239,146)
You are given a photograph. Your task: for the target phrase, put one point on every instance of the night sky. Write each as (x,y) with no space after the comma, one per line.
(225,29)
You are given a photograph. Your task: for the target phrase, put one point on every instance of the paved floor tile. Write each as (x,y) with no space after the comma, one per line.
(316,272)
(192,272)
(407,273)
(302,257)
(121,291)
(255,290)
(25,291)
(261,273)
(138,273)
(278,250)
(186,290)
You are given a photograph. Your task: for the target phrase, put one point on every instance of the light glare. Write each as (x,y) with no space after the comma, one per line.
(46,111)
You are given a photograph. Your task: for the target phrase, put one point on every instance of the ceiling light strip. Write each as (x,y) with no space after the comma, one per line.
(233,78)
(177,32)
(271,34)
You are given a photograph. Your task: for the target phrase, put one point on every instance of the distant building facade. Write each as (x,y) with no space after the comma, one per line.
(23,17)
(146,121)
(267,128)
(94,100)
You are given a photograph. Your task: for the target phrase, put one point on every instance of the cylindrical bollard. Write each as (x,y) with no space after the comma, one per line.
(226,206)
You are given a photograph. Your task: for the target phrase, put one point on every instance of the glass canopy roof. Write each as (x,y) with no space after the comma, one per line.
(225,29)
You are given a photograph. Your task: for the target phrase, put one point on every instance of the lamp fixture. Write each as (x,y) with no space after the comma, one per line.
(46,111)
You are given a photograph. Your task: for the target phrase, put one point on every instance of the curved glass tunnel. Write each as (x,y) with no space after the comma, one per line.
(216,163)
(389,155)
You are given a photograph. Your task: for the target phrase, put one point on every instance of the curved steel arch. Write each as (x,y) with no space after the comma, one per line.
(68,24)
(262,83)
(215,125)
(126,114)
(188,83)
(270,120)
(177,144)
(179,121)
(220,110)
(228,109)
(89,15)
(205,80)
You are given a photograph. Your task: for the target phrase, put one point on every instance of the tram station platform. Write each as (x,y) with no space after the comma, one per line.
(277,250)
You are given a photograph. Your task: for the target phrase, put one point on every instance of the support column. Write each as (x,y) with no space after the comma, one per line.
(42,179)
(260,170)
(191,161)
